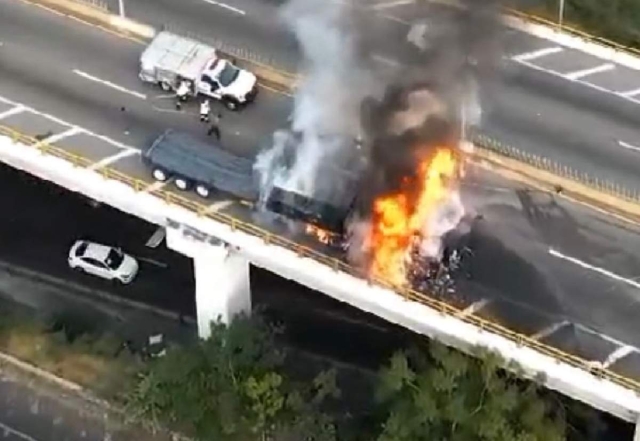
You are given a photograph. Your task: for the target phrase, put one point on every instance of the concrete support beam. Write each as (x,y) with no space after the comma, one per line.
(222,278)
(636,435)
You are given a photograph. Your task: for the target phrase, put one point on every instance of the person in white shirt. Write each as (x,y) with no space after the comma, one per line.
(205,109)
(182,93)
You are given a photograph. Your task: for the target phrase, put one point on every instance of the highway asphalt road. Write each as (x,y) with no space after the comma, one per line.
(37,60)
(556,102)
(32,410)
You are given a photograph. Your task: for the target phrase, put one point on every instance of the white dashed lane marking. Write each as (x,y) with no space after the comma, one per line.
(114,158)
(225,6)
(109,84)
(546,332)
(528,56)
(8,430)
(60,136)
(578,81)
(586,72)
(618,354)
(13,111)
(630,93)
(628,146)
(77,129)
(393,4)
(595,269)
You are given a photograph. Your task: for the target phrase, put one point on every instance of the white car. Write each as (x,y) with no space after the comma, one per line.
(102,261)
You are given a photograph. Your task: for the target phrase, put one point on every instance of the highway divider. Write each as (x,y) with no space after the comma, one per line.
(427,299)
(514,163)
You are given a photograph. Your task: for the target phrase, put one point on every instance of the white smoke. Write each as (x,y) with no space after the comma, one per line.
(327,101)
(444,219)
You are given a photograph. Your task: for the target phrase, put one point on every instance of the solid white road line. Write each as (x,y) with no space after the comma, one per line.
(595,269)
(13,111)
(59,136)
(393,4)
(156,238)
(109,84)
(528,56)
(474,307)
(11,431)
(225,6)
(111,159)
(630,93)
(586,72)
(616,355)
(546,332)
(628,146)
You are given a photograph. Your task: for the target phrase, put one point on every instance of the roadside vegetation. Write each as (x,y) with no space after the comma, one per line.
(69,347)
(616,20)
(242,384)
(238,385)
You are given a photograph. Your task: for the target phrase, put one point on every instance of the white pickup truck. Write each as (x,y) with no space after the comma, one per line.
(171,59)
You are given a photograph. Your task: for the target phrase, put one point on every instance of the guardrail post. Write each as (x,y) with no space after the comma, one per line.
(267,238)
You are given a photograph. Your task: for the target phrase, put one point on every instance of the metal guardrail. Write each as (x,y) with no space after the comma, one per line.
(548,165)
(98,4)
(337,265)
(240,52)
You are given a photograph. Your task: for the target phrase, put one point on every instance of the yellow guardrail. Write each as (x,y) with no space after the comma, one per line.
(603,186)
(337,264)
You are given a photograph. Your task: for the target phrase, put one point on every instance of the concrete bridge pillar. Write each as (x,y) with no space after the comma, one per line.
(221,274)
(636,435)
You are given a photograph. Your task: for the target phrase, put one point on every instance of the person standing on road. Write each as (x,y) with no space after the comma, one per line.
(214,129)
(205,109)
(181,94)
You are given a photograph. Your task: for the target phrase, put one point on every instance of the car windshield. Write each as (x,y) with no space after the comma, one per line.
(228,75)
(114,259)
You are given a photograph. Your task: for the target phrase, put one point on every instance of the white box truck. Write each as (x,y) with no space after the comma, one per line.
(171,59)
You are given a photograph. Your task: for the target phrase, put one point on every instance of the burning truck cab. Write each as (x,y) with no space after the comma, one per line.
(323,200)
(326,222)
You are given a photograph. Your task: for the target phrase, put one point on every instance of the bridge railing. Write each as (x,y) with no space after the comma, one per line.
(337,264)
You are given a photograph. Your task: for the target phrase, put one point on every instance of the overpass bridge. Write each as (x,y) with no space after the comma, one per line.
(223,240)
(224,244)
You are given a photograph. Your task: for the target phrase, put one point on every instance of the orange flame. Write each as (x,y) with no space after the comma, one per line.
(323,236)
(397,220)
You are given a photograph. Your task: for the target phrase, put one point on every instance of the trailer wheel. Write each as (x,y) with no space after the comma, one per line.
(182,184)
(159,175)
(165,86)
(202,190)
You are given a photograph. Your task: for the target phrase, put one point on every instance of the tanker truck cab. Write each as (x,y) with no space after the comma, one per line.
(226,82)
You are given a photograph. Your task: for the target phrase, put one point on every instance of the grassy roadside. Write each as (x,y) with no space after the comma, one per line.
(65,348)
(615,20)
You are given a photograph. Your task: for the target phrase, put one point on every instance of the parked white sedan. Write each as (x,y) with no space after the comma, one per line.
(102,261)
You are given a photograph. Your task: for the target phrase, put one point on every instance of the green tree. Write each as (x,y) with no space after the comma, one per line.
(442,394)
(232,386)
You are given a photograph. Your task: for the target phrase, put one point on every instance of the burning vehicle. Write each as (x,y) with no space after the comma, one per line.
(324,207)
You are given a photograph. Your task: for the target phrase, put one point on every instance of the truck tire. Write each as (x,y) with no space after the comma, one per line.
(230,104)
(181,184)
(203,191)
(159,175)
